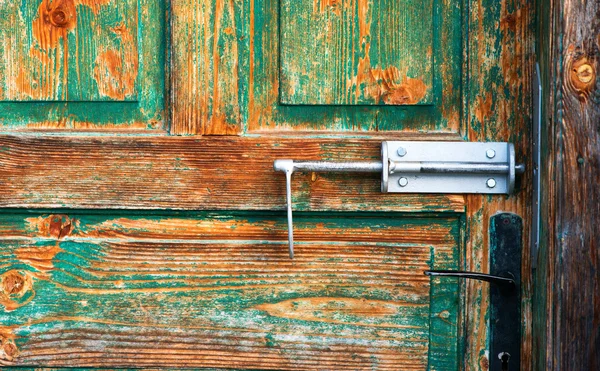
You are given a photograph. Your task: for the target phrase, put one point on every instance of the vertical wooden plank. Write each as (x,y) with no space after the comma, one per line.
(205,73)
(500,69)
(567,302)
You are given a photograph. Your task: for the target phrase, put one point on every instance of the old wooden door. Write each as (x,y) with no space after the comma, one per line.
(143,225)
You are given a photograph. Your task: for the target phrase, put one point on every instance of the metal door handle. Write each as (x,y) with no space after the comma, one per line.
(422,167)
(506,283)
(505,242)
(290,166)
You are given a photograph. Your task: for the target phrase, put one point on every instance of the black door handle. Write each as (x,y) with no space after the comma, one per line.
(507,284)
(506,235)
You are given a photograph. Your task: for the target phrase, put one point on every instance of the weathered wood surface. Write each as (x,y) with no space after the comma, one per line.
(262,58)
(567,302)
(214,290)
(185,173)
(500,57)
(226,72)
(105,58)
(191,173)
(356,52)
(205,54)
(69,50)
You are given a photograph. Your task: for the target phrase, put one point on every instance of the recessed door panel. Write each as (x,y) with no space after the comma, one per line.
(81,64)
(354,66)
(356,52)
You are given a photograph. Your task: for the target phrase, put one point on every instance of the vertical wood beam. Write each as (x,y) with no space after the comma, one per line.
(205,37)
(500,62)
(567,301)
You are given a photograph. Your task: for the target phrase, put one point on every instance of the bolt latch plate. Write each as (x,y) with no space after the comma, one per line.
(448,167)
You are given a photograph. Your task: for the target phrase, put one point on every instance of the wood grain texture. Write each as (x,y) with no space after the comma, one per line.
(268,61)
(568,280)
(356,52)
(205,58)
(500,58)
(219,291)
(69,50)
(78,64)
(186,173)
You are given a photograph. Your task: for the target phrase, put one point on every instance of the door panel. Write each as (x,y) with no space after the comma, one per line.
(81,64)
(345,52)
(212,290)
(355,66)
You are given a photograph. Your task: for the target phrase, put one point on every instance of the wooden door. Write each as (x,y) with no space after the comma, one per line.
(142,223)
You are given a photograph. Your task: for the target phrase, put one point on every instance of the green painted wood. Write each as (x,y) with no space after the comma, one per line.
(356,52)
(69,51)
(500,56)
(82,64)
(271,87)
(209,290)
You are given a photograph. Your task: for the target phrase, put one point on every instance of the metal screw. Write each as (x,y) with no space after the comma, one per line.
(491,183)
(490,153)
(401,151)
(403,182)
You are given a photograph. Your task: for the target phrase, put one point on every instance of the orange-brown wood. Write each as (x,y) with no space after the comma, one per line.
(498,109)
(567,301)
(205,56)
(187,173)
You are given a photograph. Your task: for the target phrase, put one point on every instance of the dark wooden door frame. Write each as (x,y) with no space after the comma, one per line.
(566,304)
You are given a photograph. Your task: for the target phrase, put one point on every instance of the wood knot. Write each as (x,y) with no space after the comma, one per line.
(16,290)
(484,363)
(59,18)
(585,73)
(582,77)
(56,226)
(13,283)
(9,350)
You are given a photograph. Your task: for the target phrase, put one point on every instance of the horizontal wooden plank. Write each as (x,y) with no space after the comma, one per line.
(45,171)
(75,292)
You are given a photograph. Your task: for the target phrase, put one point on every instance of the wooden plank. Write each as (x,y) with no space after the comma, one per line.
(189,173)
(500,58)
(144,291)
(205,58)
(567,302)
(80,64)
(267,114)
(357,52)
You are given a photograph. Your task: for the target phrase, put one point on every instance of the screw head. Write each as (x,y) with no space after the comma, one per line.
(490,153)
(403,182)
(401,151)
(491,183)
